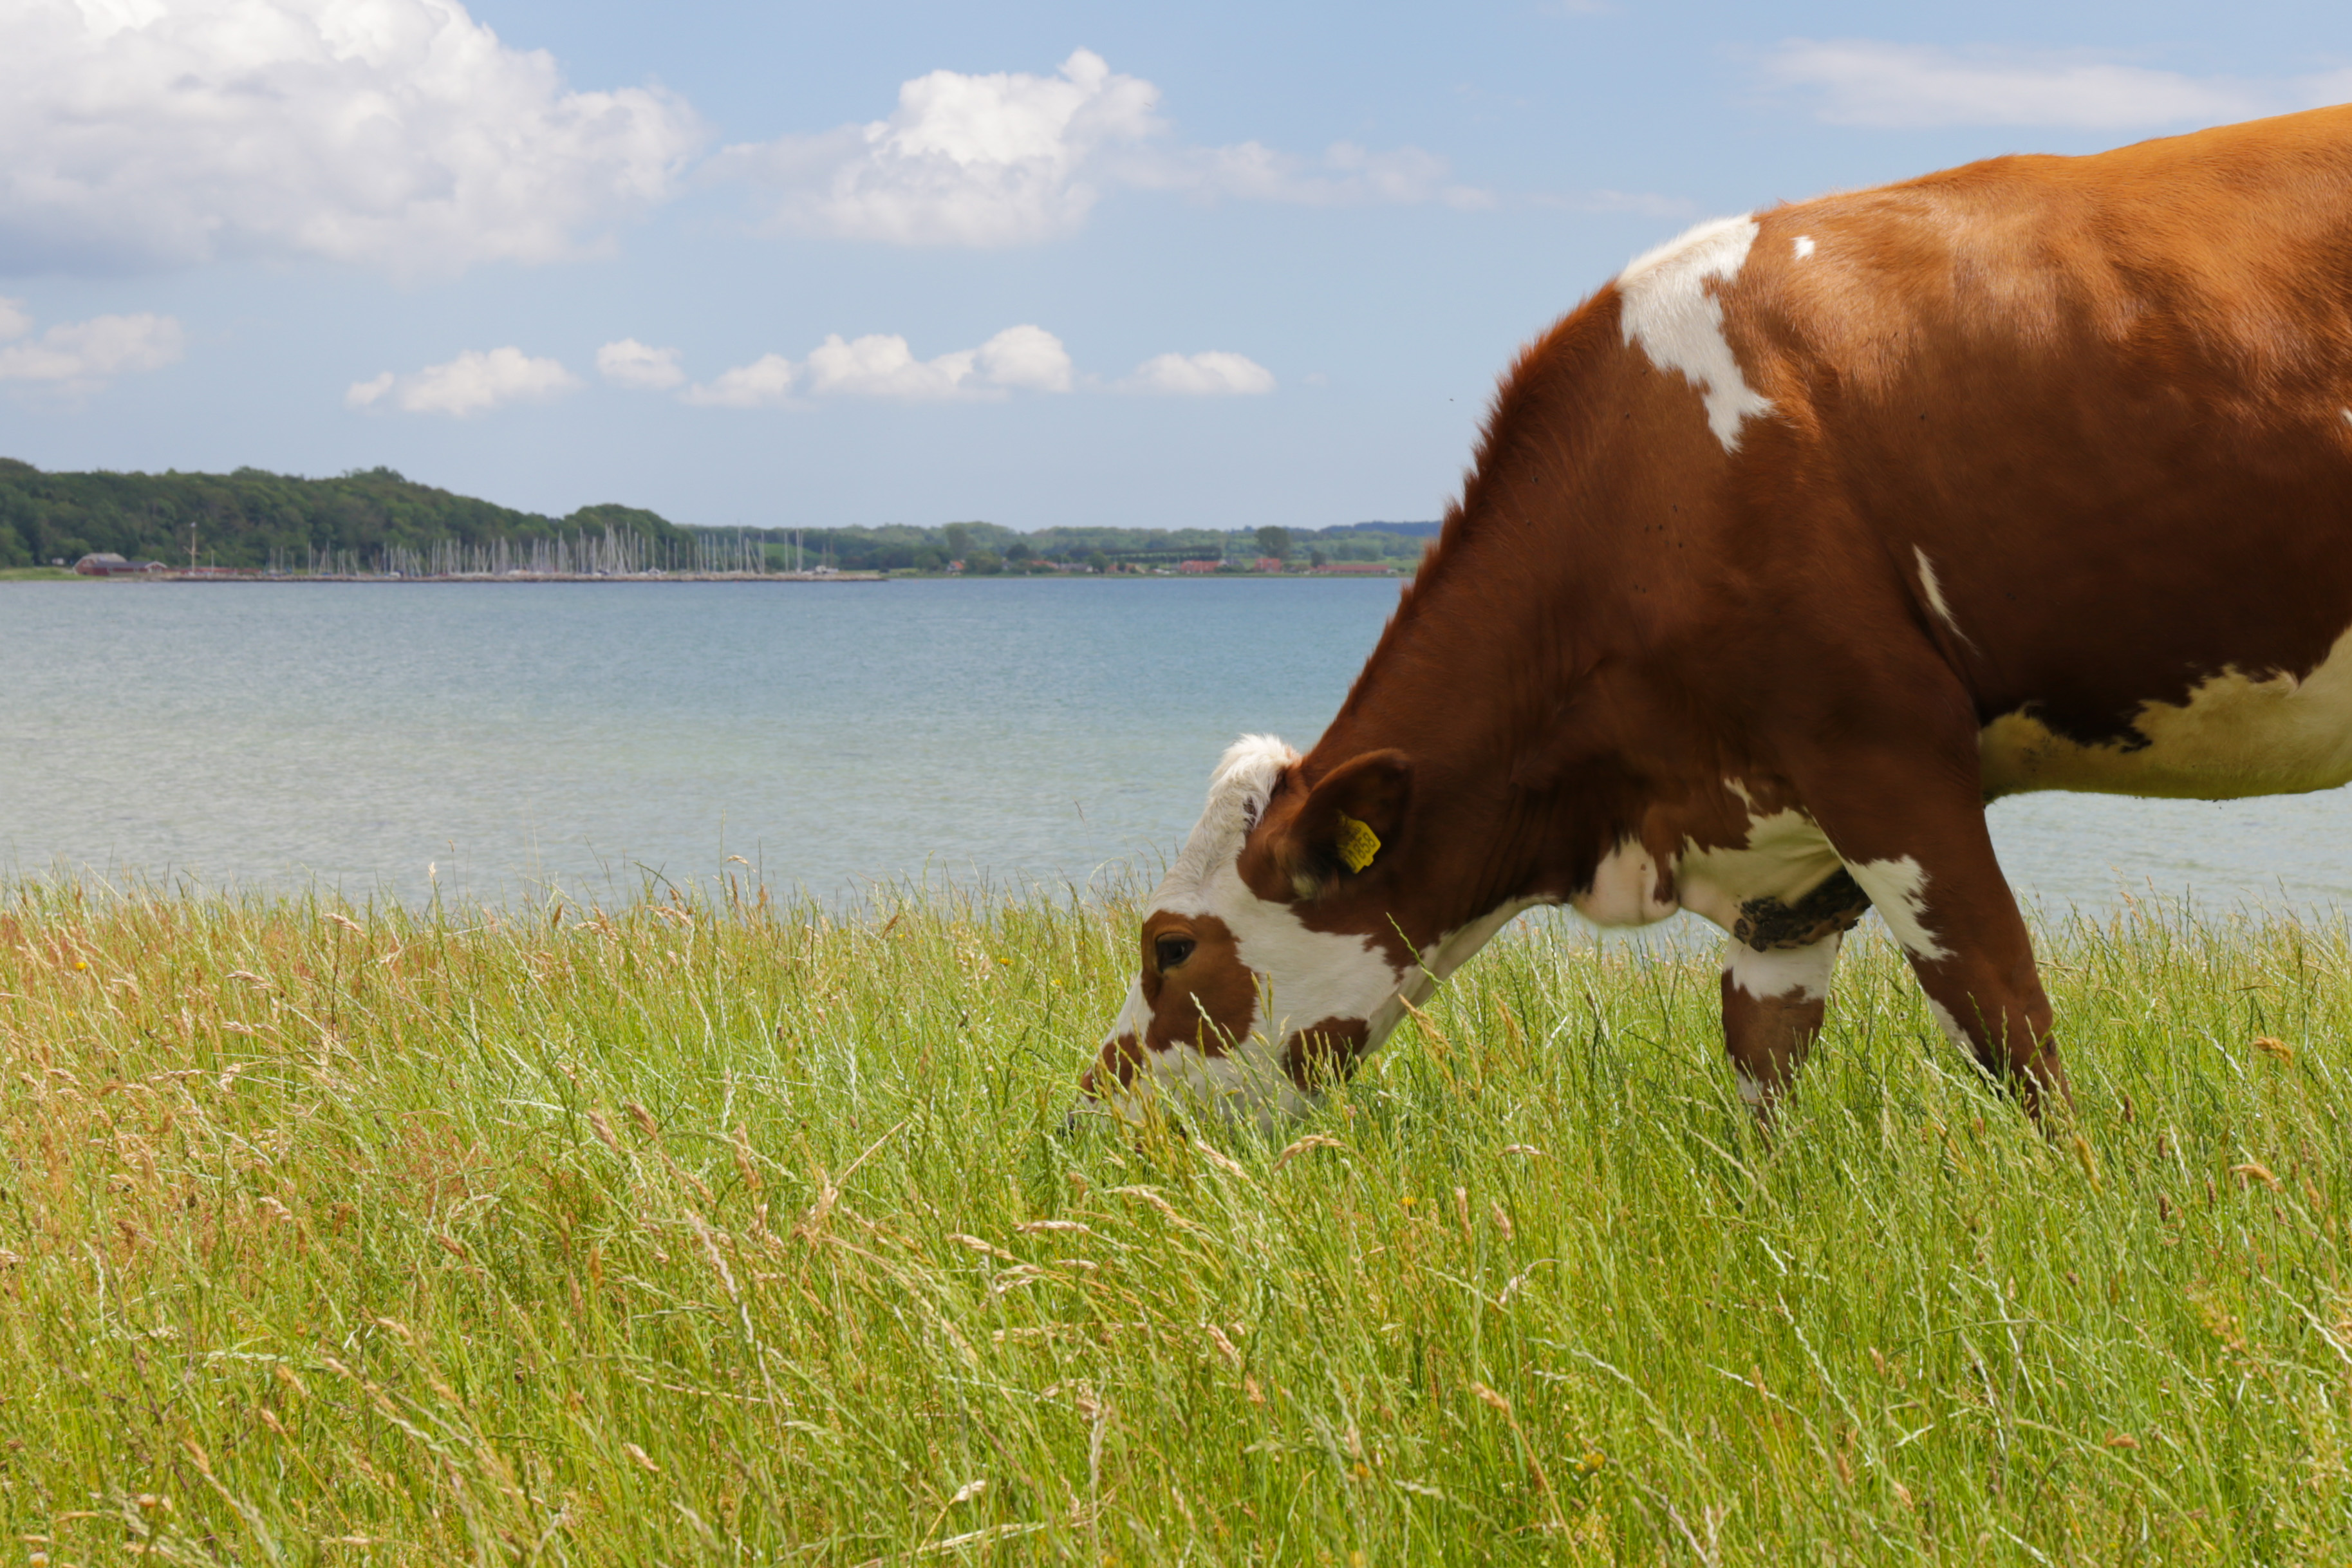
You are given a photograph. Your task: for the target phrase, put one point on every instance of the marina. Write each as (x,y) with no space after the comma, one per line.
(617,555)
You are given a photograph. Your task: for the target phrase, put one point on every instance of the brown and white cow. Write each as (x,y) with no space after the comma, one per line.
(1786,551)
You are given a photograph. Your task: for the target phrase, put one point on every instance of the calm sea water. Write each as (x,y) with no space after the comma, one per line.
(496,739)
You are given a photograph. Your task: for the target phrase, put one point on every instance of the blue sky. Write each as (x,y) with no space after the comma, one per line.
(1213,264)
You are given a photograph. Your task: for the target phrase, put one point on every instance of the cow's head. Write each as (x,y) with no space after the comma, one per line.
(1272,956)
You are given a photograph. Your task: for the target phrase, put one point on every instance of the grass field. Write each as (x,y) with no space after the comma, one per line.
(725,1233)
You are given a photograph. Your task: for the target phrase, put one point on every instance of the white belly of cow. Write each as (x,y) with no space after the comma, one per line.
(2234,736)
(1785,857)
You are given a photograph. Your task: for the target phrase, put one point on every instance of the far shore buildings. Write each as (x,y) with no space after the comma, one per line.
(1267,565)
(106,564)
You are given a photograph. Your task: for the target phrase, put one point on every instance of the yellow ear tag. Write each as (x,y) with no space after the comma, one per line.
(1357,842)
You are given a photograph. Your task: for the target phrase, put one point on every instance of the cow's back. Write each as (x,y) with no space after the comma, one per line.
(2096,414)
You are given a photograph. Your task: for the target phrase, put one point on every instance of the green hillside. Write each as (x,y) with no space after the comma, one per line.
(989,548)
(250,517)
(369,518)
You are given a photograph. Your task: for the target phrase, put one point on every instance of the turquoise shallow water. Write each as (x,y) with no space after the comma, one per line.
(495,738)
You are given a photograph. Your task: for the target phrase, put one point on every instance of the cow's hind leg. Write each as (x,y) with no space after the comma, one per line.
(1961,927)
(1772,1006)
(1915,838)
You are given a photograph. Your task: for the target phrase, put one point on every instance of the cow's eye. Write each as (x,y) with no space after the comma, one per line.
(1171,950)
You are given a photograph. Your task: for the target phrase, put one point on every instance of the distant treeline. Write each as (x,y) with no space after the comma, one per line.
(255,519)
(988,547)
(251,517)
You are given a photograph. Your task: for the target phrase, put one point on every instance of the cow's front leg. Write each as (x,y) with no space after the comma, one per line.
(1772,1006)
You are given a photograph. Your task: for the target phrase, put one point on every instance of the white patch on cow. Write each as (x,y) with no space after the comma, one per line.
(1931,585)
(1246,1087)
(1786,856)
(1804,246)
(1134,1017)
(1668,310)
(1238,792)
(1751,1091)
(1304,976)
(2347,416)
(1950,1025)
(1799,973)
(1625,890)
(2236,735)
(1899,891)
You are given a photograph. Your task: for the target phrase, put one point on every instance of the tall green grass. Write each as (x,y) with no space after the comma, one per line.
(731,1233)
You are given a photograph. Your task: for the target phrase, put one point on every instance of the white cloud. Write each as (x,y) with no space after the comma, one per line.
(966,160)
(1903,86)
(768,379)
(1015,159)
(1023,358)
(1211,375)
(393,133)
(880,365)
(1346,175)
(1029,358)
(471,384)
(404,135)
(77,358)
(366,393)
(629,362)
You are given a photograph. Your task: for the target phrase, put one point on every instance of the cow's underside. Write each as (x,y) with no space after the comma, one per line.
(2267,732)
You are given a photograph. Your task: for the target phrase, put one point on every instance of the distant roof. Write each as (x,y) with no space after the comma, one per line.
(106,564)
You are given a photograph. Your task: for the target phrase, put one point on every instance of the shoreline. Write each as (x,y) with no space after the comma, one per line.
(519,579)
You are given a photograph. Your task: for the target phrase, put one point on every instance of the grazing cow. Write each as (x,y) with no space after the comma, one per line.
(1786,551)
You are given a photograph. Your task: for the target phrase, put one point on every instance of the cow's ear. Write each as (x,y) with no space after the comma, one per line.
(1349,822)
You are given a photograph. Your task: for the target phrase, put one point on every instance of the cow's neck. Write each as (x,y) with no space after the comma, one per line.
(1521,794)
(1553,760)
